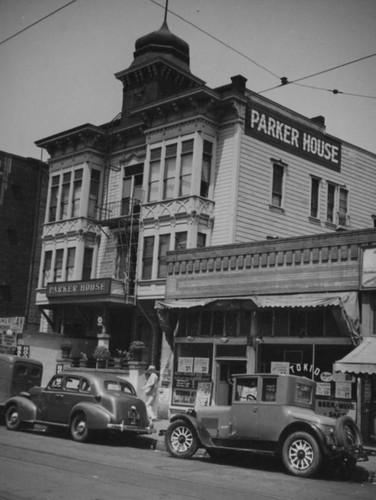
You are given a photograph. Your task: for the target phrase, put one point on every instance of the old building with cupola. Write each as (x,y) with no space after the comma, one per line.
(194,221)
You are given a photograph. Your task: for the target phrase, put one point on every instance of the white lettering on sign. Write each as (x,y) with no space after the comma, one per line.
(273,128)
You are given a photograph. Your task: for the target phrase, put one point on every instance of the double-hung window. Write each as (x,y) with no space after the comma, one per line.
(70,264)
(181,240)
(315,197)
(164,246)
(77,187)
(53,215)
(47,274)
(206,169)
(342,206)
(147,258)
(94,193)
(64,203)
(58,268)
(337,205)
(186,164)
(277,185)
(155,166)
(169,171)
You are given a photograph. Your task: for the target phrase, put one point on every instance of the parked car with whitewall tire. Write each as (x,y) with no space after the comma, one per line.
(82,402)
(270,415)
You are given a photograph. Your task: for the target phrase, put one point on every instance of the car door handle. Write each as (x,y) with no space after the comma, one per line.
(59,396)
(254,410)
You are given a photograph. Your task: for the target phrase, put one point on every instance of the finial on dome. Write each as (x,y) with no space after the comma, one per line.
(166,10)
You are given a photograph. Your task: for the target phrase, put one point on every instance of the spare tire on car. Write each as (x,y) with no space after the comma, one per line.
(347,432)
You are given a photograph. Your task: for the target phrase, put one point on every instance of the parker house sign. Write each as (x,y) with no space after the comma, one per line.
(277,130)
(78,288)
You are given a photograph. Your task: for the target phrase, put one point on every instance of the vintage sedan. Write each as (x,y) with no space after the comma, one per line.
(270,415)
(82,402)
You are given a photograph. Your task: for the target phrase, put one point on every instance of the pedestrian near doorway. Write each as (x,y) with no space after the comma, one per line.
(150,390)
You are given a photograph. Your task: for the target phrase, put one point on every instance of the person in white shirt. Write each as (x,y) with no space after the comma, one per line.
(150,390)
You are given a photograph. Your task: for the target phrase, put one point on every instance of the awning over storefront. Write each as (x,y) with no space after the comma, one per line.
(361,360)
(345,302)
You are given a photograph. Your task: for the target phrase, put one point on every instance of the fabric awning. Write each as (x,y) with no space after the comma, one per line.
(182,304)
(345,302)
(361,360)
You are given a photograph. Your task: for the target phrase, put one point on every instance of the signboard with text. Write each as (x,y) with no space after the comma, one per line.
(292,136)
(77,288)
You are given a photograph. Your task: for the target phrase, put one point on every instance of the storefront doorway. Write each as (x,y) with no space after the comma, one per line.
(224,370)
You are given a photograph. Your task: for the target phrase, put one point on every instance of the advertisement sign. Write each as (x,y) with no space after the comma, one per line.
(185,365)
(292,136)
(368,277)
(78,288)
(201,365)
(280,367)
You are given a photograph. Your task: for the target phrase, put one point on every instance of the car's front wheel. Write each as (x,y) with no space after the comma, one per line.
(301,454)
(181,440)
(79,427)
(12,419)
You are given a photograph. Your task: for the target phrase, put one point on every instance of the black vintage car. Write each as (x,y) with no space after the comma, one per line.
(269,414)
(82,402)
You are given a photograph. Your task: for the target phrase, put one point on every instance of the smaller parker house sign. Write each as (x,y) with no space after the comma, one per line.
(79,288)
(279,131)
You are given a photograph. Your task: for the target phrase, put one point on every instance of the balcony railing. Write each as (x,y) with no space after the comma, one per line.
(126,208)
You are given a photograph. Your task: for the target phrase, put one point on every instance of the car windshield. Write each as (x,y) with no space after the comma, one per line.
(117,386)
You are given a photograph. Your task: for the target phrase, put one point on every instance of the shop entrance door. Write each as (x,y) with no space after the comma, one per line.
(224,371)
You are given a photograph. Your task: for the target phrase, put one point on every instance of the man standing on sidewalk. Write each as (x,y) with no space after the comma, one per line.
(150,389)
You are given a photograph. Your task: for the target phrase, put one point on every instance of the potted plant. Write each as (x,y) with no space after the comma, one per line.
(136,349)
(66,348)
(102,355)
(121,358)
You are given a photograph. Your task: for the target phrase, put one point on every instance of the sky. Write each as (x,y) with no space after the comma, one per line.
(59,74)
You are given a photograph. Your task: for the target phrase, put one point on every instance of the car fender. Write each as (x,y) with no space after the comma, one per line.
(27,410)
(306,427)
(97,416)
(201,431)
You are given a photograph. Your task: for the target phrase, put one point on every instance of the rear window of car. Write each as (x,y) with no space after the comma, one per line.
(303,393)
(72,384)
(269,389)
(115,386)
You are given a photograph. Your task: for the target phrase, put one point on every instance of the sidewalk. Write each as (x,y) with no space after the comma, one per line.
(370,465)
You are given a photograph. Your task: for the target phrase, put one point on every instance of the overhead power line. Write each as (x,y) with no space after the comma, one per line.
(217,39)
(37,22)
(284,80)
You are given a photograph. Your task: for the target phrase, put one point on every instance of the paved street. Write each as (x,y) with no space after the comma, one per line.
(35,465)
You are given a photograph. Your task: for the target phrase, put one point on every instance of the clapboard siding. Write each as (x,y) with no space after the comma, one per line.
(224,187)
(256,220)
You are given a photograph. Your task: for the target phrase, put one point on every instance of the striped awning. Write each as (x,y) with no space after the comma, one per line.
(361,360)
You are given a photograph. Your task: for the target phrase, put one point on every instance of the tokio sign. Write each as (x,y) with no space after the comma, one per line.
(275,129)
(79,288)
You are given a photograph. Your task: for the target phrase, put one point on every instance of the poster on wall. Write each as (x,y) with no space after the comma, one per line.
(323,389)
(280,367)
(203,395)
(368,278)
(185,365)
(343,390)
(201,365)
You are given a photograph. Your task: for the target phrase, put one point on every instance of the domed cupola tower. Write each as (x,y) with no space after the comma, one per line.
(160,70)
(162,43)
